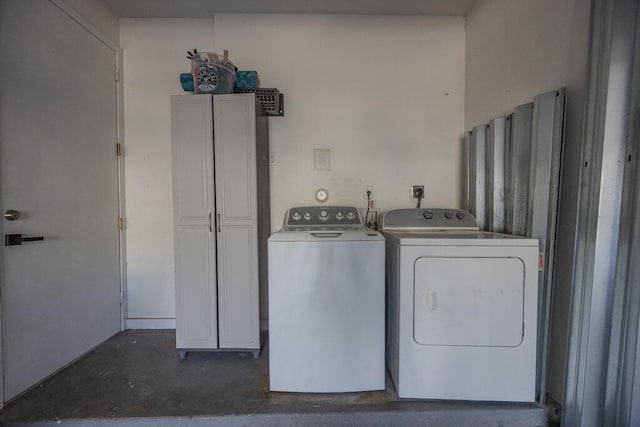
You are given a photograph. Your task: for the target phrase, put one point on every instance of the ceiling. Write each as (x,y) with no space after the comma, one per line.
(207,8)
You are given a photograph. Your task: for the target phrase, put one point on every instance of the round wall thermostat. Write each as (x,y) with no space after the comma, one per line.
(322,195)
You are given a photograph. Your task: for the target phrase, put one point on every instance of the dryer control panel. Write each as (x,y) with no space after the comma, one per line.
(428,219)
(322,217)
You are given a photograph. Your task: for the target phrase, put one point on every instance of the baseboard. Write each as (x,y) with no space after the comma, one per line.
(151,323)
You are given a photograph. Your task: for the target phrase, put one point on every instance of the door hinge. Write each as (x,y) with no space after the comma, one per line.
(120,223)
(118,149)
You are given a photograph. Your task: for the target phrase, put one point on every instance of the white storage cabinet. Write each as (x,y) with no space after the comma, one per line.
(221,220)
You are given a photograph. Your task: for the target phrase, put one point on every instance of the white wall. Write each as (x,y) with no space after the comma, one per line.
(100,16)
(514,51)
(154,56)
(384,93)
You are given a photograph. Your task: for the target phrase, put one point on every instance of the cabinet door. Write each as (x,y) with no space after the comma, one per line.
(236,204)
(193,202)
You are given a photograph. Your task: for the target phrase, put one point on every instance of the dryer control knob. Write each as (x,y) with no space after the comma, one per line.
(339,215)
(307,216)
(460,215)
(448,215)
(351,215)
(427,215)
(296,216)
(324,215)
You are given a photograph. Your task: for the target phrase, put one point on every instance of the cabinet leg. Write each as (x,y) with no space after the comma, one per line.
(182,354)
(256,354)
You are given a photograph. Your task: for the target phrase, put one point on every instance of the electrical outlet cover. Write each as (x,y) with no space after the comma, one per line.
(417,191)
(368,187)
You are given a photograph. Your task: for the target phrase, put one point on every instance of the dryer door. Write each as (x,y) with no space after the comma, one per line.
(469,301)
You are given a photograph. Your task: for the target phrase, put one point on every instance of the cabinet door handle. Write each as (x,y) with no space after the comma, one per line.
(219,224)
(210,223)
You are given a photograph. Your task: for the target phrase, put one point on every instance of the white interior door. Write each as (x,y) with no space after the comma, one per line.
(58,128)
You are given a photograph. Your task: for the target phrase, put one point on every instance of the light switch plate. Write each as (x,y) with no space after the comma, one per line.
(321,159)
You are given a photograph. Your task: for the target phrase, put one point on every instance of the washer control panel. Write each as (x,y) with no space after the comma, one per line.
(428,219)
(322,217)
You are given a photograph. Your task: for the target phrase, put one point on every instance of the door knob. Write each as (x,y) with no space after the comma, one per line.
(11,215)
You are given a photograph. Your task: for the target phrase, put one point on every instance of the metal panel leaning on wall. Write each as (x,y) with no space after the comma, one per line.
(477,175)
(524,158)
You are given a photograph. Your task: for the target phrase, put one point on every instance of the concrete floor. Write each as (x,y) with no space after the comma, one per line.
(136,378)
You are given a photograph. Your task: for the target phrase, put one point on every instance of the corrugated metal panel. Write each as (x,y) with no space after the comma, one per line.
(518,176)
(544,180)
(495,178)
(467,174)
(477,175)
(513,170)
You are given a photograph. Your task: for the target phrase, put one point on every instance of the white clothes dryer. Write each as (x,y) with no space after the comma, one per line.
(461,308)
(326,303)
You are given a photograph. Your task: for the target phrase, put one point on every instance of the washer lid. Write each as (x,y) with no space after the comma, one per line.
(422,219)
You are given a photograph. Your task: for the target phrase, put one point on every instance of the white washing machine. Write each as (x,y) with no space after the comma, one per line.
(461,308)
(326,303)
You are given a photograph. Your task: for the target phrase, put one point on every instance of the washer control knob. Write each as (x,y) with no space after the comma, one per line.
(351,215)
(323,216)
(296,216)
(427,215)
(448,215)
(307,216)
(339,216)
(460,215)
